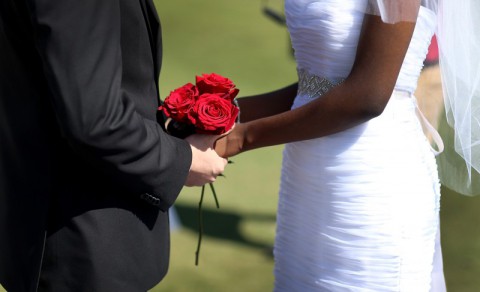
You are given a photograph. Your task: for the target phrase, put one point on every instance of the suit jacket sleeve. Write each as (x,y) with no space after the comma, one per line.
(79,44)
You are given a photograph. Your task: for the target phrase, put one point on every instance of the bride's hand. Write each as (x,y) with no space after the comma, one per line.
(231,143)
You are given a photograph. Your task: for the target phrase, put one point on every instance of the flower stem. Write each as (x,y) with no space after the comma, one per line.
(200,226)
(214,195)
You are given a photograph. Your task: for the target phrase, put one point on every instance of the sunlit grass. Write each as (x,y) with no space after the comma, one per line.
(234,38)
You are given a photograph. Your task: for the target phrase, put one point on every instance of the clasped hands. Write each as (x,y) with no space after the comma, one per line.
(210,153)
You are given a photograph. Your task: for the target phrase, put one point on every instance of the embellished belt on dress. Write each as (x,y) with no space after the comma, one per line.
(313,86)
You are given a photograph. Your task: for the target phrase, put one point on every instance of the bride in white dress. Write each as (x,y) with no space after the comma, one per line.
(360,195)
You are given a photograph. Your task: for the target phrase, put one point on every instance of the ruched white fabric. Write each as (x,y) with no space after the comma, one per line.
(358,210)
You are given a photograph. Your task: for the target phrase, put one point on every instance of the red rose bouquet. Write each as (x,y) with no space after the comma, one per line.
(208,107)
(205,108)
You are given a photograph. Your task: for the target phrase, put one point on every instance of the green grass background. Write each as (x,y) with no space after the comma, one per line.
(235,39)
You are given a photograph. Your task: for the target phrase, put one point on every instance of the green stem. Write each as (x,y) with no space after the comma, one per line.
(200,226)
(214,195)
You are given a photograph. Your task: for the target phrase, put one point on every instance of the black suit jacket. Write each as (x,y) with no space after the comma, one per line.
(86,172)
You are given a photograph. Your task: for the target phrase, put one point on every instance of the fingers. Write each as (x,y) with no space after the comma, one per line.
(226,133)
(214,139)
(202,142)
(206,164)
(220,146)
(231,144)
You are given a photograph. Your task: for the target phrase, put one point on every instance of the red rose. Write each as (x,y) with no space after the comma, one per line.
(213,114)
(180,102)
(214,83)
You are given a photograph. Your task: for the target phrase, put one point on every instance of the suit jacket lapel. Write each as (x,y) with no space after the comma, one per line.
(155,35)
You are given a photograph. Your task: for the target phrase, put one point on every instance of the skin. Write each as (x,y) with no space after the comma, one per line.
(267,119)
(206,164)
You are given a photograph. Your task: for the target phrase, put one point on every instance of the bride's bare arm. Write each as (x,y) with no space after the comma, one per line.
(267,104)
(362,96)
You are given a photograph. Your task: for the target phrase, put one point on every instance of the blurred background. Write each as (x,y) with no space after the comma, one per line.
(239,40)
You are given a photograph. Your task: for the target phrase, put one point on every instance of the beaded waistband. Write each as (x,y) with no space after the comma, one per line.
(313,86)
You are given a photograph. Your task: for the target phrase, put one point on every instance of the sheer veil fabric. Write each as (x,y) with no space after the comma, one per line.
(458,34)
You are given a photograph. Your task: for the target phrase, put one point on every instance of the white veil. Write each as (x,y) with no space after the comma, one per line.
(458,35)
(459,44)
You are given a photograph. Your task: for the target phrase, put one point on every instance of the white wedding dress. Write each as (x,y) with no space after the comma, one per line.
(358,210)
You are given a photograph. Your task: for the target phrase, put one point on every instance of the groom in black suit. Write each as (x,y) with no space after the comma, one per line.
(86,172)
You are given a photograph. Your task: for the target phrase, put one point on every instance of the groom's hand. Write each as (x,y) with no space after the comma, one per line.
(206,164)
